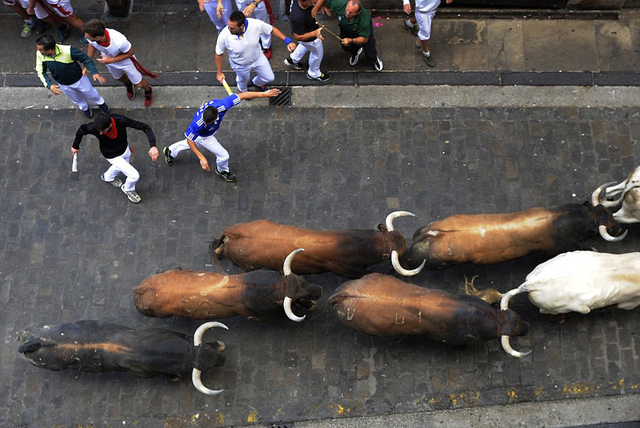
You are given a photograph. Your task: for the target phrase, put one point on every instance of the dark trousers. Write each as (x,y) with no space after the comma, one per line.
(369,48)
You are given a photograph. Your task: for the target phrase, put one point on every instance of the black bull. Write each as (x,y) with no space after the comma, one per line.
(94,346)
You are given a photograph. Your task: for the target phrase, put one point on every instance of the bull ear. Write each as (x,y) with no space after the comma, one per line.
(382,228)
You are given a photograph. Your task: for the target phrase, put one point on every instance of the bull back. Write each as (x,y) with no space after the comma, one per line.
(347,253)
(385,306)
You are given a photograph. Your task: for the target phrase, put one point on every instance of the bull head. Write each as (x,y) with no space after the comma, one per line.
(298,289)
(197,371)
(504,305)
(607,223)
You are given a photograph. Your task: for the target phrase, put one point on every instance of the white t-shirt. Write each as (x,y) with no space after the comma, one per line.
(243,49)
(118,44)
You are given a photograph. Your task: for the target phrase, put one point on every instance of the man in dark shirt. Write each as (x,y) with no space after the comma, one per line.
(356,29)
(111,131)
(308,35)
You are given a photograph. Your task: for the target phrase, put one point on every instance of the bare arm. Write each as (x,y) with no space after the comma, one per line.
(219,73)
(204,164)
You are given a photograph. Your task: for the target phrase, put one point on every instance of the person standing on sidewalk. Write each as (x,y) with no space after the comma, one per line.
(63,62)
(218,11)
(19,7)
(118,55)
(241,38)
(58,13)
(308,35)
(420,24)
(201,132)
(356,29)
(111,131)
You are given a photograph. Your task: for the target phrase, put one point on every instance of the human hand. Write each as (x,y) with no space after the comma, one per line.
(98,78)
(220,9)
(273,92)
(204,164)
(407,8)
(249,10)
(74,151)
(105,59)
(55,89)
(153,153)
(220,76)
(291,47)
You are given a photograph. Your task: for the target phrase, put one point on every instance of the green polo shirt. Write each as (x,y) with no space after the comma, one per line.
(361,23)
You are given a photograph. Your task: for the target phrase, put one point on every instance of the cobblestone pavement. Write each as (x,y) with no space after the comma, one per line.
(73,248)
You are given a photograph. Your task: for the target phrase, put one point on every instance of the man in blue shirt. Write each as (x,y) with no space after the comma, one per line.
(201,132)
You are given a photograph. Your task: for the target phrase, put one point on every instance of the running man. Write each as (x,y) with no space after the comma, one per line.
(201,132)
(111,131)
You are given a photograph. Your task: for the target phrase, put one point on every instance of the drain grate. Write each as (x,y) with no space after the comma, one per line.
(284,99)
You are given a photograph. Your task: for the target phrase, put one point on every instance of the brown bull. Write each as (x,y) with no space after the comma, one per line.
(494,238)
(382,305)
(206,295)
(347,253)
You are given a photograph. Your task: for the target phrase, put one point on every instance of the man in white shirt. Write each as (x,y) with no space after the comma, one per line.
(116,52)
(421,25)
(240,38)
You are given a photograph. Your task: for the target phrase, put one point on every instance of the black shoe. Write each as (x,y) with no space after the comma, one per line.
(323,78)
(88,113)
(226,175)
(42,27)
(168,159)
(296,65)
(104,108)
(63,33)
(377,64)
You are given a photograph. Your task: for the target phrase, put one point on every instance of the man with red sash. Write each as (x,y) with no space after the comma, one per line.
(111,131)
(117,54)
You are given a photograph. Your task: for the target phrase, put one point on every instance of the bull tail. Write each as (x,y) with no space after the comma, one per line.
(490,295)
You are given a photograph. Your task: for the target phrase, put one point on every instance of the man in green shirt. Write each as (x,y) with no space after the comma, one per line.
(356,28)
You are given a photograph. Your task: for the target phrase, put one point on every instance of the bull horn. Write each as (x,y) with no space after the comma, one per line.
(289,311)
(286,267)
(504,339)
(196,374)
(402,271)
(596,196)
(394,215)
(605,235)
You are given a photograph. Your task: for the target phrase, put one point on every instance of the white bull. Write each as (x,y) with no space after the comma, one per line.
(626,193)
(579,281)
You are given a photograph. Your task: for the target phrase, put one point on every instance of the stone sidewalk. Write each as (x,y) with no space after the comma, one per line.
(177,40)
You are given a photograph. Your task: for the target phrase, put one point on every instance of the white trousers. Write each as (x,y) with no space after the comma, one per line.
(260,66)
(260,12)
(210,143)
(424,23)
(82,93)
(316,52)
(119,165)
(210,8)
(120,68)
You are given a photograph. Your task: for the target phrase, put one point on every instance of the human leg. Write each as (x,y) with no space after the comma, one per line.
(176,148)
(242,77)
(424,34)
(222,155)
(120,164)
(264,72)
(211,9)
(316,52)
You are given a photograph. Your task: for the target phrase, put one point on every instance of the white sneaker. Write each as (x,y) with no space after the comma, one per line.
(132,195)
(377,64)
(115,183)
(353,60)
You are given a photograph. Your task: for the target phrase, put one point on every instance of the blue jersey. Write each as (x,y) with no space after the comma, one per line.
(199,129)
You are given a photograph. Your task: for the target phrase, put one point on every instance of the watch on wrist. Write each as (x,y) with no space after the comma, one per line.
(255,3)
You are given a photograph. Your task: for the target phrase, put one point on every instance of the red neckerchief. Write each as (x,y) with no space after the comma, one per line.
(113,132)
(107,40)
